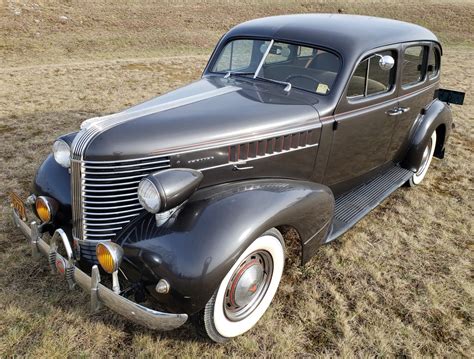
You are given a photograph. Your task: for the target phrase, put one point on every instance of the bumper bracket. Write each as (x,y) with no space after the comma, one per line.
(100,294)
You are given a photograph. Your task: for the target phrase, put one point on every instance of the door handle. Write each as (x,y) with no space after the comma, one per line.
(394,111)
(404,109)
(242,167)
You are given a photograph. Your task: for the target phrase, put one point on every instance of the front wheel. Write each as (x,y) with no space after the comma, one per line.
(246,291)
(425,162)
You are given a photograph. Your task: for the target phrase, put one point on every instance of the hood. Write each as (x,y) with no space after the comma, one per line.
(211,112)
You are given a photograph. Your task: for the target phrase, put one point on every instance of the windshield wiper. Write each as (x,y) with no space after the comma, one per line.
(236,73)
(287,84)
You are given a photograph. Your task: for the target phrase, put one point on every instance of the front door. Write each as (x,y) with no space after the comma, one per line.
(364,123)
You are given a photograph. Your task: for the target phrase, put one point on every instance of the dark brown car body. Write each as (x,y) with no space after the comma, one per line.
(269,158)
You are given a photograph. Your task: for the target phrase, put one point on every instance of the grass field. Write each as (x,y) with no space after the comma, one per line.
(399,284)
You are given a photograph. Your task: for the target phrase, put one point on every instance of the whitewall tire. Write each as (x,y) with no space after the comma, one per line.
(247,290)
(425,162)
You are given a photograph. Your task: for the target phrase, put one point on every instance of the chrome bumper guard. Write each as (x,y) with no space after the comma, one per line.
(100,294)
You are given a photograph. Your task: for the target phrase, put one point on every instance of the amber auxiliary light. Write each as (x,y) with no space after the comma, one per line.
(45,208)
(109,255)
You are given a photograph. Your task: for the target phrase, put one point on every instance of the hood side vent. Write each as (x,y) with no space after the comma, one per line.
(271,146)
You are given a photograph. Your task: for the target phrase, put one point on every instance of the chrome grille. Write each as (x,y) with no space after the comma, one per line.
(107,197)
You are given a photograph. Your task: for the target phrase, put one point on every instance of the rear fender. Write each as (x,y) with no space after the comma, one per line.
(437,117)
(196,248)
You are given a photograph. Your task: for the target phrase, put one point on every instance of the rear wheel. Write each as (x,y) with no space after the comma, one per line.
(425,162)
(246,291)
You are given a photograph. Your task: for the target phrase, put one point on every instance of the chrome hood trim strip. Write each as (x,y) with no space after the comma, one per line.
(106,122)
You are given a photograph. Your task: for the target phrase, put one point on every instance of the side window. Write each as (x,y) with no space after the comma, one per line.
(413,65)
(433,63)
(357,83)
(370,79)
(379,79)
(304,51)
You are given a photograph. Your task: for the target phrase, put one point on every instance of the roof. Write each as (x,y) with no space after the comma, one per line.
(348,34)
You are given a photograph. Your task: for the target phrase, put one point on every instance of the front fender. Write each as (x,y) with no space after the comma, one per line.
(437,114)
(54,181)
(196,248)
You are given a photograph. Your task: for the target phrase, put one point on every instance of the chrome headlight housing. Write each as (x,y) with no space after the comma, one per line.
(62,153)
(164,190)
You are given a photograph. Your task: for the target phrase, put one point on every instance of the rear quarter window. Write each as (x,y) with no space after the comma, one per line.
(434,60)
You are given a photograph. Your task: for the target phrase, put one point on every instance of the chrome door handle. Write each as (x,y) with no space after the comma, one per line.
(404,109)
(243,168)
(394,111)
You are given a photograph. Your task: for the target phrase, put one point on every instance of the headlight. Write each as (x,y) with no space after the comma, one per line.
(164,190)
(46,208)
(109,255)
(149,196)
(62,153)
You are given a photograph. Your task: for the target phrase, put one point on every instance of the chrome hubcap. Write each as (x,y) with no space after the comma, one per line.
(248,285)
(426,157)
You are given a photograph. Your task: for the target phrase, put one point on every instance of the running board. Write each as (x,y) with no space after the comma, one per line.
(352,207)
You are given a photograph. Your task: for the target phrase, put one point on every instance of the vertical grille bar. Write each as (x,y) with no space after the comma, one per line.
(76,200)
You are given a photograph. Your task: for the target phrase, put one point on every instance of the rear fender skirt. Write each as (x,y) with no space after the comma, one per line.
(437,114)
(196,248)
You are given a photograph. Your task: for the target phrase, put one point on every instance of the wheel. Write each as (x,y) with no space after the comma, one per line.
(246,291)
(425,162)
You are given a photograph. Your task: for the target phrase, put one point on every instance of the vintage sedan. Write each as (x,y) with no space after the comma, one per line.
(174,209)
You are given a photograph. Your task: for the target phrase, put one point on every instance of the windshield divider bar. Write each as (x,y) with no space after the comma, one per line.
(263,59)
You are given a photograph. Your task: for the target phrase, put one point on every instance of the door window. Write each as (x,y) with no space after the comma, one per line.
(413,65)
(370,79)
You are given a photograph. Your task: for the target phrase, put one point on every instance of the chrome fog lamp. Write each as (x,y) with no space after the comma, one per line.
(46,208)
(109,256)
(62,153)
(165,190)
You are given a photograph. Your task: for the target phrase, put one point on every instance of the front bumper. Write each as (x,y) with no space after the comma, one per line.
(100,294)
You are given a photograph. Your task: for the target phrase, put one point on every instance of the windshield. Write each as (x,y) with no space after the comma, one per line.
(304,67)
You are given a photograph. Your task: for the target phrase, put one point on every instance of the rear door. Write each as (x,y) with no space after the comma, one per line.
(419,77)
(364,126)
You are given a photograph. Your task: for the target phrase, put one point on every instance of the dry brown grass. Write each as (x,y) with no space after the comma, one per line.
(399,283)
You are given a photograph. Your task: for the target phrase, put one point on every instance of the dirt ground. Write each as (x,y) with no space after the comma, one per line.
(400,283)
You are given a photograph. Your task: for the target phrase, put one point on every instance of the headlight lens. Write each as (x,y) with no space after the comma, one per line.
(62,153)
(149,196)
(109,255)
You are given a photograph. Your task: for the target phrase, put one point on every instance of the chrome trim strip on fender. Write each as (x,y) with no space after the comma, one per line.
(242,162)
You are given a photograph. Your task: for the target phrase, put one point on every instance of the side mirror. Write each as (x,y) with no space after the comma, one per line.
(386,62)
